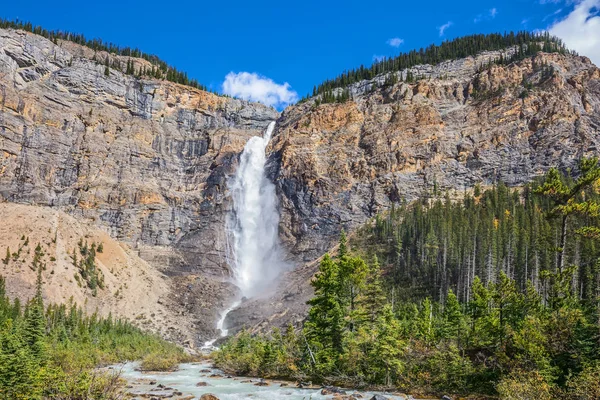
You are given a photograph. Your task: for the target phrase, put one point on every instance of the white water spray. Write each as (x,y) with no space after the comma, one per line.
(253,226)
(209,345)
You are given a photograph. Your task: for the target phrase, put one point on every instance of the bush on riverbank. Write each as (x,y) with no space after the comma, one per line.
(159,361)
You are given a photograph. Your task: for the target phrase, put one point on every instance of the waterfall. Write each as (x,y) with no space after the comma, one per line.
(210,344)
(253,225)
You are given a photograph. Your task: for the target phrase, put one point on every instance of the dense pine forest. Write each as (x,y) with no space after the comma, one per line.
(160,69)
(496,294)
(526,44)
(51,352)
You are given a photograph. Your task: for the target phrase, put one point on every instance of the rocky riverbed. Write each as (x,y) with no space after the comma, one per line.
(201,381)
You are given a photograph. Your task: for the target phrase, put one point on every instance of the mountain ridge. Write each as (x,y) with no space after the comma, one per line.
(148,161)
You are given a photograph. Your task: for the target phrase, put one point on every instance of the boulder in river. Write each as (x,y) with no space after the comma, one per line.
(379,397)
(332,390)
(200,384)
(208,396)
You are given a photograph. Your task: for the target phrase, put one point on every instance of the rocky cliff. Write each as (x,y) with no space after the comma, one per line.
(337,165)
(147,161)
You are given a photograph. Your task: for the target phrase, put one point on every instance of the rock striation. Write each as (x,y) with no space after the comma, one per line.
(148,161)
(145,160)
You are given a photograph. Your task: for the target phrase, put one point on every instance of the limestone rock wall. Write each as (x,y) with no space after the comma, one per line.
(145,160)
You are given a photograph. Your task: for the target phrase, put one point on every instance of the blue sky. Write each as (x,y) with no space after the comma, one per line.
(252,48)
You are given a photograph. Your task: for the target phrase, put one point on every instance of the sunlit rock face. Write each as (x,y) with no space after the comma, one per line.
(145,160)
(337,165)
(151,162)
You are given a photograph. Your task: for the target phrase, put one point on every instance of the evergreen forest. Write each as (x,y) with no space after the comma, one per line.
(52,352)
(496,293)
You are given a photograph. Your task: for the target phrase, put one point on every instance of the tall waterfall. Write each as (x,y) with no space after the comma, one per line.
(253,225)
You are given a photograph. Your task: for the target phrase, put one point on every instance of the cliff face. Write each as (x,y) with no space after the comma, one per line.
(128,287)
(336,165)
(145,160)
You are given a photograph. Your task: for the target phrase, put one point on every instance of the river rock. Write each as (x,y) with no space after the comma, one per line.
(327,390)
(208,396)
(379,397)
(201,384)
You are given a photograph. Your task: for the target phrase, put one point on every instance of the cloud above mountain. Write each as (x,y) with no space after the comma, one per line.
(580,29)
(255,87)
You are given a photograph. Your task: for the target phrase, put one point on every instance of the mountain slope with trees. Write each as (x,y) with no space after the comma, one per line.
(112,56)
(51,352)
(339,164)
(521,321)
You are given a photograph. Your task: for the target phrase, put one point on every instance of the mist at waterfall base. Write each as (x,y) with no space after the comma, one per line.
(252,227)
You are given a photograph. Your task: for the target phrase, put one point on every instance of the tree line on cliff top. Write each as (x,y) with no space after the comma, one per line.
(159,69)
(525,44)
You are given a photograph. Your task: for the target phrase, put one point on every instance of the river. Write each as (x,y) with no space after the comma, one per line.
(185,380)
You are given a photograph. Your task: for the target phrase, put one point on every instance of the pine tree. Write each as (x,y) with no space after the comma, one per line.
(387,348)
(35,323)
(372,299)
(564,197)
(324,324)
(454,321)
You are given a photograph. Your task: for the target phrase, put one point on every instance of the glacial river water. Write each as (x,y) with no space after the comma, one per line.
(186,378)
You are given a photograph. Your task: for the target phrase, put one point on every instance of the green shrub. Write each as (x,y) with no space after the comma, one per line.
(524,385)
(159,362)
(586,385)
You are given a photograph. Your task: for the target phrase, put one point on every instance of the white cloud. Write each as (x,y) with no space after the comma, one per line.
(443,28)
(254,87)
(580,30)
(491,14)
(553,14)
(395,42)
